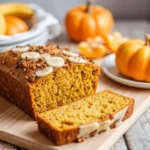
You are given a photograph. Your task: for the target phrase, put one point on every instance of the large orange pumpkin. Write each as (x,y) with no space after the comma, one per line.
(15,25)
(133,59)
(88,21)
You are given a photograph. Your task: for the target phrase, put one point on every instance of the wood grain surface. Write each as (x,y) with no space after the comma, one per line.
(136,138)
(18,128)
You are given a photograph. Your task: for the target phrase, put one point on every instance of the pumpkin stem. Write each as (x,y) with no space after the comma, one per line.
(88,6)
(147,39)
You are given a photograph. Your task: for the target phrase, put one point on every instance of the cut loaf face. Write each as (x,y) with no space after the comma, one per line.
(87,117)
(39,78)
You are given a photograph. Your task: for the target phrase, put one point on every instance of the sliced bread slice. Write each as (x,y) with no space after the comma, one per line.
(87,117)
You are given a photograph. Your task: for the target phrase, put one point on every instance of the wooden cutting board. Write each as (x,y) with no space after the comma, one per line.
(18,128)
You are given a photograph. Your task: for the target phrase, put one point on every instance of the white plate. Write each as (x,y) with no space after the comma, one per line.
(110,70)
(42,21)
(41,39)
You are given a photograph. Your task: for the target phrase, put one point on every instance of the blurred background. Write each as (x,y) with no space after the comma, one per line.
(121,9)
(131,20)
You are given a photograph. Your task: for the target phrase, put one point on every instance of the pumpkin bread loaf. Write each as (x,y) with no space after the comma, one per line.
(87,117)
(43,77)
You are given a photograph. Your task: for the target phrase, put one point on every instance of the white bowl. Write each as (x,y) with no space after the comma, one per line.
(41,39)
(43,21)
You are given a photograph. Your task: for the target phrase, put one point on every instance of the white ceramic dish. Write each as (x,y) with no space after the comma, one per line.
(41,39)
(110,70)
(42,20)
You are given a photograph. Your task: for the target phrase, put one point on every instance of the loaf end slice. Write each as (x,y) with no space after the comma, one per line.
(85,118)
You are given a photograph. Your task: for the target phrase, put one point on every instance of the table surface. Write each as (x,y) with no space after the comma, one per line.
(138,136)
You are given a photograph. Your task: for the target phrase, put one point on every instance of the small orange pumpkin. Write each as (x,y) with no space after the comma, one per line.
(133,59)
(88,21)
(15,25)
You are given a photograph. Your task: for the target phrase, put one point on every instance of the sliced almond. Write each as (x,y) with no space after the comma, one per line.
(45,56)
(77,60)
(20,49)
(70,53)
(30,55)
(55,62)
(43,72)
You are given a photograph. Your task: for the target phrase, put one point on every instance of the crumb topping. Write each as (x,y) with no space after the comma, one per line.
(39,58)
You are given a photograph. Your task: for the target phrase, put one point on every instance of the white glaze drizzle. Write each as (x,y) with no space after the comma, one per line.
(85,130)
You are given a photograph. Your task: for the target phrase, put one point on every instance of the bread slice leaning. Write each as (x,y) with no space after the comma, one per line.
(85,118)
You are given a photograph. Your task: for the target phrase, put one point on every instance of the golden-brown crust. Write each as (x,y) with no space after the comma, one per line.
(64,137)
(16,92)
(24,69)
(119,94)
(129,110)
(58,137)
